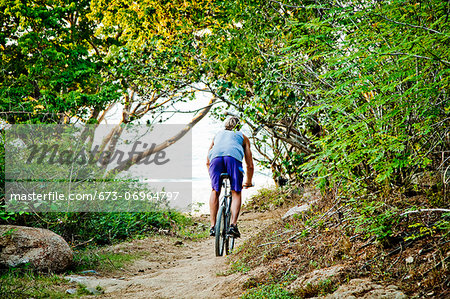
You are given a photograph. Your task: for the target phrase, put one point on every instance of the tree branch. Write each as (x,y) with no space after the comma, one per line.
(138,157)
(410,25)
(426,210)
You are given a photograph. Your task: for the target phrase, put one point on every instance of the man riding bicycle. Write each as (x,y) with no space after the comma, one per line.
(227,150)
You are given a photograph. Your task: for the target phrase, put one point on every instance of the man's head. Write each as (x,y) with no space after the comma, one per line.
(232,124)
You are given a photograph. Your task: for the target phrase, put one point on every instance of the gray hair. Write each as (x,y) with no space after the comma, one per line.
(232,123)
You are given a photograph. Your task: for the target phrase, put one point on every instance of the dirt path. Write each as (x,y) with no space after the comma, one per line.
(190,270)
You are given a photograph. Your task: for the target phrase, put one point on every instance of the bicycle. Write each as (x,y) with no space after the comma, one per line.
(223,219)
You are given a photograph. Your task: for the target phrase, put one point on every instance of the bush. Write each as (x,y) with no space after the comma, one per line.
(102,228)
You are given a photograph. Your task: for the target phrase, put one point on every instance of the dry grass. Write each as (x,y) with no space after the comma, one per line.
(326,236)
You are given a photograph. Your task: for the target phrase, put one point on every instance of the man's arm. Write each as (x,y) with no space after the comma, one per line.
(207,155)
(248,161)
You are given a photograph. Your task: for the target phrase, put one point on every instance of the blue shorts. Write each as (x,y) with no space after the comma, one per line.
(230,165)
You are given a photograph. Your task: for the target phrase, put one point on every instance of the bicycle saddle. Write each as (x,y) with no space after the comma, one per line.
(224,176)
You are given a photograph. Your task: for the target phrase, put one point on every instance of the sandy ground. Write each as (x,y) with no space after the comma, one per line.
(173,270)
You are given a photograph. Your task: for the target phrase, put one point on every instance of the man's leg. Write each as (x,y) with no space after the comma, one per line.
(216,167)
(235,206)
(213,206)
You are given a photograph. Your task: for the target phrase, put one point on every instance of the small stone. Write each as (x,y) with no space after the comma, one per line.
(76,279)
(71,291)
(409,260)
(94,291)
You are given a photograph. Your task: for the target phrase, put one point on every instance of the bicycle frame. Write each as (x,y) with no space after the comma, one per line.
(226,201)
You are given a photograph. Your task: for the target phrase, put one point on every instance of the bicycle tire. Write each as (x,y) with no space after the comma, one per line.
(220,231)
(229,243)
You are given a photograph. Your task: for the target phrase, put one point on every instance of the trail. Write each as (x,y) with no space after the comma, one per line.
(188,271)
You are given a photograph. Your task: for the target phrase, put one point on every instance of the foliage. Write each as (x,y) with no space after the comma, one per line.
(4,215)
(359,89)
(349,86)
(66,62)
(354,95)
(271,198)
(385,111)
(104,228)
(322,288)
(267,291)
(48,69)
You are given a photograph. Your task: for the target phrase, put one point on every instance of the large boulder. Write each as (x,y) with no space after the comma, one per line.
(296,210)
(355,288)
(41,248)
(317,277)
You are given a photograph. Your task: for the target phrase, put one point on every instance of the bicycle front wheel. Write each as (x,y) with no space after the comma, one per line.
(221,233)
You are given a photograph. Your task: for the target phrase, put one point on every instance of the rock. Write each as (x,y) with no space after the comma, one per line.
(296,210)
(98,285)
(94,291)
(314,278)
(356,288)
(41,248)
(426,179)
(71,291)
(76,279)
(364,288)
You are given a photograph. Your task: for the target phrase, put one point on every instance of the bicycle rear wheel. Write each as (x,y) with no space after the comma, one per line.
(220,231)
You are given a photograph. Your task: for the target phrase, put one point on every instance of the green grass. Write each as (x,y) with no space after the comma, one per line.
(193,230)
(240,266)
(236,266)
(24,283)
(95,259)
(323,288)
(271,291)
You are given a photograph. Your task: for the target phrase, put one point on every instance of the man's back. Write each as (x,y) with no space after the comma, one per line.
(228,143)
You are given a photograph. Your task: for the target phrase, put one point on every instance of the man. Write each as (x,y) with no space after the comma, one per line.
(227,150)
